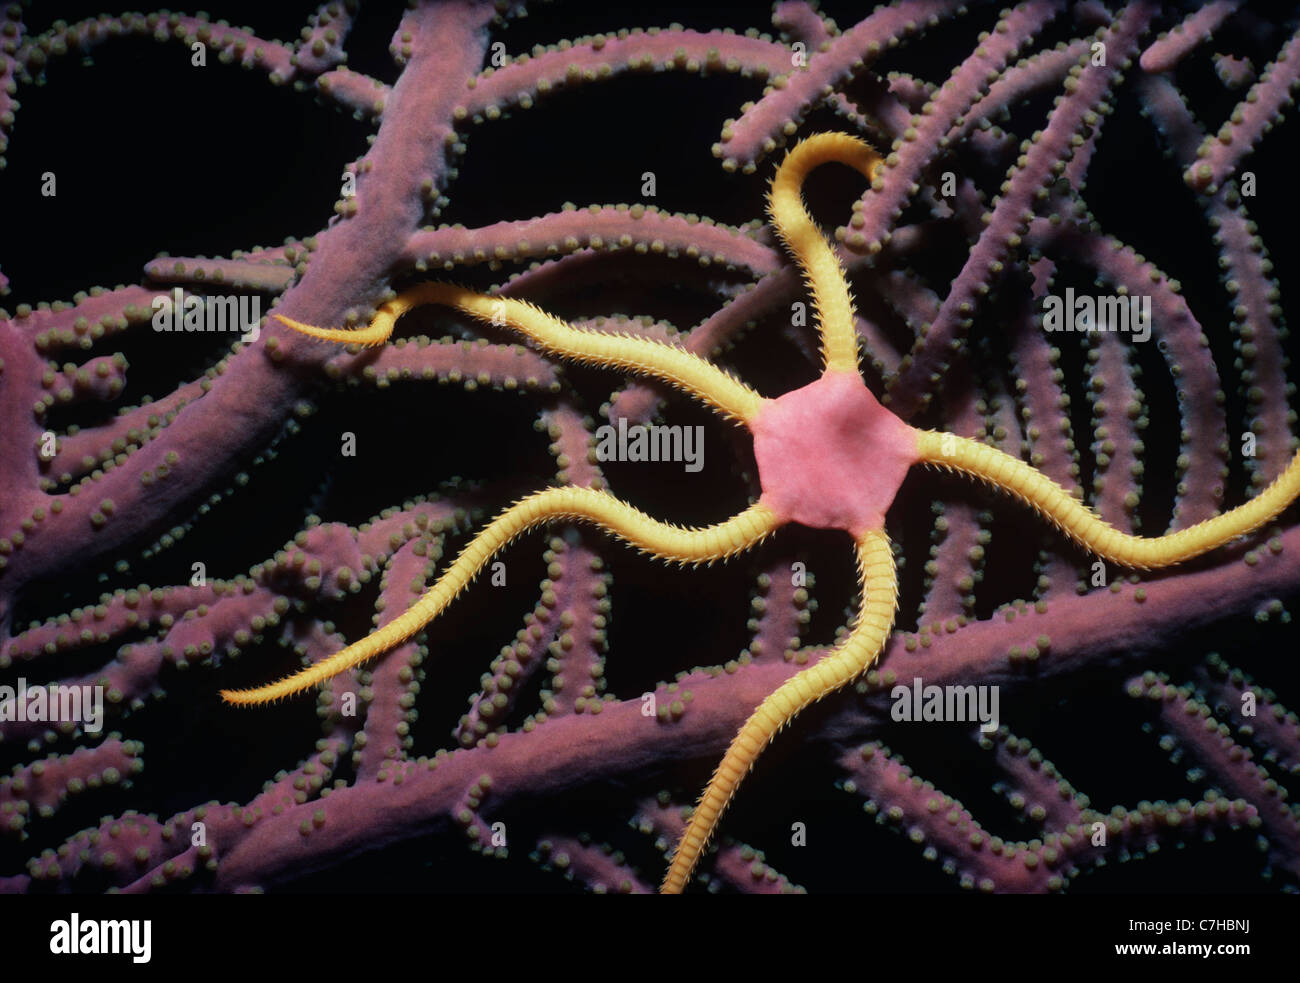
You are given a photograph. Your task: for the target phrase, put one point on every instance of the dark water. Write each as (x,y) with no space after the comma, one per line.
(153,156)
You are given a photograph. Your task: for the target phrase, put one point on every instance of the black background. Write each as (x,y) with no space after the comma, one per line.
(152,155)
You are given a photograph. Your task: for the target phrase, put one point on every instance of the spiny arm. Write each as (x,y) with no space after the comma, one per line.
(1083,525)
(809,246)
(659,539)
(879,582)
(683,369)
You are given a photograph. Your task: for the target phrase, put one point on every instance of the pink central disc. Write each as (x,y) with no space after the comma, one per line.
(830,456)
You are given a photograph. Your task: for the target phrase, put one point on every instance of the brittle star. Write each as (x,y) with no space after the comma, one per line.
(829,456)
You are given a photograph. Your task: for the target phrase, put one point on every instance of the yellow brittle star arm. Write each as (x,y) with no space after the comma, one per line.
(681,368)
(659,539)
(800,234)
(1084,526)
(852,657)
